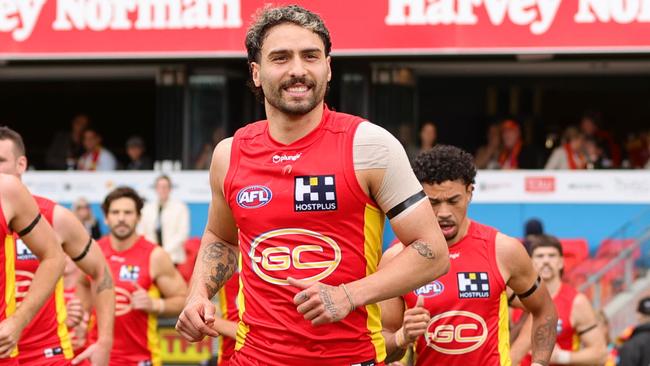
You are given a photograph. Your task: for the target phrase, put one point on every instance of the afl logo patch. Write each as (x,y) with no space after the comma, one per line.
(254,197)
(432,289)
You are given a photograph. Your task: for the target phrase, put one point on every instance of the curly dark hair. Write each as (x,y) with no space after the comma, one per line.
(445,163)
(267,18)
(123,192)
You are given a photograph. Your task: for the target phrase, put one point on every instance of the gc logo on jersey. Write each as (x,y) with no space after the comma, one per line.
(22,251)
(315,193)
(432,289)
(456,332)
(299,253)
(472,285)
(129,272)
(254,196)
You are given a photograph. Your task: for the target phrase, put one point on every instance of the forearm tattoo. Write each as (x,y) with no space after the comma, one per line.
(544,340)
(107,281)
(423,249)
(326,298)
(221,262)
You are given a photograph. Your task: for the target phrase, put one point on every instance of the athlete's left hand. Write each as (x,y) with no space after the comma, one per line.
(320,303)
(9,334)
(97,353)
(140,299)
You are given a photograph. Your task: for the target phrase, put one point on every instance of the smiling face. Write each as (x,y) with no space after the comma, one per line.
(293,69)
(450,200)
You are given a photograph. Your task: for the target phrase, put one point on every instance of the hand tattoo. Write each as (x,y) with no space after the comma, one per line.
(107,281)
(423,249)
(221,261)
(326,298)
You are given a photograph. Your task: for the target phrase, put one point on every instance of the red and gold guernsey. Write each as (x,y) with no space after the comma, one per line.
(228,303)
(302,213)
(567,337)
(8,283)
(136,341)
(45,340)
(468,307)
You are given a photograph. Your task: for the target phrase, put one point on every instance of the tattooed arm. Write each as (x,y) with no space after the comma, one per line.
(217,257)
(89,258)
(517,270)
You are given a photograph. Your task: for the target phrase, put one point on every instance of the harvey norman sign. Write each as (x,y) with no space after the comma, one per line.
(216,28)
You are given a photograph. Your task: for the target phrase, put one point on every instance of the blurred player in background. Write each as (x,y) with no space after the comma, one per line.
(45,341)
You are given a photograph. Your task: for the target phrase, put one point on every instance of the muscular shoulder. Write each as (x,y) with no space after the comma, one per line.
(582,312)
(12,195)
(512,257)
(160,262)
(220,160)
(373,146)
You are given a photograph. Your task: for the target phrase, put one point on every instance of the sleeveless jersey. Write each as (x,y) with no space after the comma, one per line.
(468,307)
(302,213)
(228,303)
(8,282)
(567,337)
(136,341)
(45,339)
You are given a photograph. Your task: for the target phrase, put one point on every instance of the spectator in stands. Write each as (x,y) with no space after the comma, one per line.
(595,156)
(66,148)
(95,156)
(405,137)
(590,126)
(166,221)
(487,156)
(135,149)
(81,209)
(636,350)
(204,158)
(428,136)
(515,154)
(569,155)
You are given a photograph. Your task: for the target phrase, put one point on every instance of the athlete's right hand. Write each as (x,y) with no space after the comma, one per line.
(9,334)
(416,321)
(74,311)
(197,319)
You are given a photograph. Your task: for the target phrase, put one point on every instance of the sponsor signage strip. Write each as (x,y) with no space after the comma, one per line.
(520,186)
(216,28)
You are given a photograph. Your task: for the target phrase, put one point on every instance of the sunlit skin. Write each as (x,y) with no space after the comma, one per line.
(293,72)
(122,218)
(548,262)
(450,200)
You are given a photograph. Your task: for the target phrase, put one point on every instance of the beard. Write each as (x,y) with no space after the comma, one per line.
(122,234)
(291,106)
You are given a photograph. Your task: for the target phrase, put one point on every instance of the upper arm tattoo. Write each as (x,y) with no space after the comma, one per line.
(423,249)
(221,261)
(107,281)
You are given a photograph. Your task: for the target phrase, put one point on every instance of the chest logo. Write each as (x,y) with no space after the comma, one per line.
(22,251)
(472,285)
(315,193)
(456,332)
(281,158)
(129,273)
(432,289)
(254,196)
(299,253)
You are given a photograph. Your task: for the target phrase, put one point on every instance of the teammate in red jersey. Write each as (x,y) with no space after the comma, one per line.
(227,324)
(462,317)
(45,341)
(579,341)
(20,218)
(146,282)
(304,194)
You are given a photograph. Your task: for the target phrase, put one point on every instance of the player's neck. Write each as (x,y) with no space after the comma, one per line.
(462,232)
(121,245)
(553,286)
(286,129)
